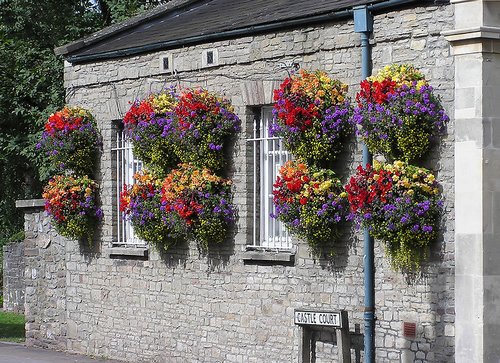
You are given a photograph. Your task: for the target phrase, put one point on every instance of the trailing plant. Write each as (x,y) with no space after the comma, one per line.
(71,140)
(397,113)
(312,113)
(71,202)
(204,124)
(150,126)
(399,204)
(312,204)
(200,201)
(141,204)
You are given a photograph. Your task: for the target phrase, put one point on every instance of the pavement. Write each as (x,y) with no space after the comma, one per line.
(19,353)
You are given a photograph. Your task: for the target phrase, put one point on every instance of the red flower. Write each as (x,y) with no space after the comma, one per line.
(375,92)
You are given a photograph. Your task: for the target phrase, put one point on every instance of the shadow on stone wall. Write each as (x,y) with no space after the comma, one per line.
(13,277)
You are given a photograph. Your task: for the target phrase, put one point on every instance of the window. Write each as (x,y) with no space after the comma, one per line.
(126,167)
(268,156)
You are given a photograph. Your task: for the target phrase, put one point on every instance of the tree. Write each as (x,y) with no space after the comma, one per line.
(31,86)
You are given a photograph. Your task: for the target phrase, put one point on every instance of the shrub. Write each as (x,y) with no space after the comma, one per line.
(399,204)
(141,204)
(200,201)
(71,140)
(312,113)
(312,204)
(204,124)
(71,202)
(150,126)
(398,114)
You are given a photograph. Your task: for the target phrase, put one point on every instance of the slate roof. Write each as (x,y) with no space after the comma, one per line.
(182,22)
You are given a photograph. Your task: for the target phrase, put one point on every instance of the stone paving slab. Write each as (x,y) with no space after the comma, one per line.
(19,353)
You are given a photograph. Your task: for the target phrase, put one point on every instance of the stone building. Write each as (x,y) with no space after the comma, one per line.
(124,300)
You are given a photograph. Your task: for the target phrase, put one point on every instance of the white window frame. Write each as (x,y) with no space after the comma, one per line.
(269,154)
(126,167)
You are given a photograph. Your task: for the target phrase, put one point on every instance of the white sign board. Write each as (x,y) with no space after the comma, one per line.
(322,318)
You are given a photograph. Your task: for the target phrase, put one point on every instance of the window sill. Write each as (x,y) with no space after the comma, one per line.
(126,252)
(269,256)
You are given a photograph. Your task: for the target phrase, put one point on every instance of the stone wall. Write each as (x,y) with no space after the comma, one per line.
(183,306)
(13,277)
(45,280)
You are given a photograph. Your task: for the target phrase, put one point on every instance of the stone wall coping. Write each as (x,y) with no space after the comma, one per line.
(30,203)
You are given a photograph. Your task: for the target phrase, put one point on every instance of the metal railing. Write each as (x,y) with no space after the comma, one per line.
(126,166)
(268,156)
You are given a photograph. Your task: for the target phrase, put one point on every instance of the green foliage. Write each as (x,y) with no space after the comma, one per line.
(11,327)
(32,86)
(31,89)
(114,11)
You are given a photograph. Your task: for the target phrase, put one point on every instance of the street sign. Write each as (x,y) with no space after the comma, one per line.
(321,318)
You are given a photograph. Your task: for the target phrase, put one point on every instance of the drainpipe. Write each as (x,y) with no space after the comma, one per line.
(363,24)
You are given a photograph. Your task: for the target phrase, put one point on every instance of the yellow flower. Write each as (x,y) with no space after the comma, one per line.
(398,164)
(430,178)
(325,185)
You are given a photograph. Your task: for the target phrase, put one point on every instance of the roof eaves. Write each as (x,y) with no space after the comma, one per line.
(122,26)
(374,5)
(213,36)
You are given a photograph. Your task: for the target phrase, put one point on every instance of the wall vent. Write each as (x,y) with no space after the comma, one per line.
(166,63)
(409,330)
(210,58)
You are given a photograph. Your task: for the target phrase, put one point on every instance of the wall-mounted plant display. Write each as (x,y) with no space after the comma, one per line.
(399,204)
(200,202)
(141,204)
(204,124)
(71,140)
(397,113)
(71,202)
(312,114)
(312,203)
(149,124)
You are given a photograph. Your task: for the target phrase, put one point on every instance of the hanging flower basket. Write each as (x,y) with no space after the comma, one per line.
(397,113)
(200,202)
(71,202)
(71,141)
(150,126)
(140,204)
(311,114)
(400,205)
(312,204)
(204,124)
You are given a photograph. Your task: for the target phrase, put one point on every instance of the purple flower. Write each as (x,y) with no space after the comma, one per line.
(427,229)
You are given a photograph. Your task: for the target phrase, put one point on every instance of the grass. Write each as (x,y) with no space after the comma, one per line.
(11,327)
